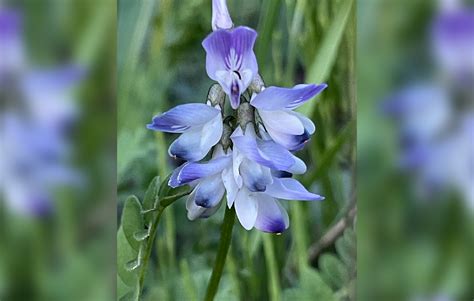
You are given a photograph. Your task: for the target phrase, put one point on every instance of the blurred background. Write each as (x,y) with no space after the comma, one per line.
(57,152)
(415,150)
(161,63)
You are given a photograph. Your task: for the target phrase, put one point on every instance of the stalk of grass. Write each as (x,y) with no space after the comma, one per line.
(272,268)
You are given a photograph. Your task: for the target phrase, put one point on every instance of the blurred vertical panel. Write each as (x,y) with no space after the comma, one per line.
(57,152)
(415,150)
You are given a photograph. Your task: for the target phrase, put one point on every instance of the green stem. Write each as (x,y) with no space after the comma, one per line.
(149,247)
(226,237)
(274,281)
(298,228)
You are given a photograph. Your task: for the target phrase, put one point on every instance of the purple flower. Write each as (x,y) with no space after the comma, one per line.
(220,15)
(11,43)
(251,159)
(453,40)
(230,60)
(275,107)
(200,125)
(32,165)
(206,180)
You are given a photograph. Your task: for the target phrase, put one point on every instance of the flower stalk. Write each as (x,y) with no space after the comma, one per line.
(224,245)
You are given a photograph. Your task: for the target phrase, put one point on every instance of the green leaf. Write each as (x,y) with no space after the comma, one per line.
(125,253)
(333,271)
(346,249)
(132,221)
(122,288)
(311,287)
(327,53)
(151,194)
(151,197)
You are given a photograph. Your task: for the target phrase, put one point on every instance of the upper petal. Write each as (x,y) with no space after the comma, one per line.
(276,98)
(290,189)
(230,56)
(182,117)
(272,217)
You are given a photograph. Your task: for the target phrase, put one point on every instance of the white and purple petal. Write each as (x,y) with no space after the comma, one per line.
(230,60)
(271,217)
(255,176)
(195,211)
(193,171)
(266,153)
(182,117)
(209,192)
(290,189)
(277,98)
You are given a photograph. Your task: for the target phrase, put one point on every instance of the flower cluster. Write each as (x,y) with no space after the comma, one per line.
(436,117)
(37,109)
(250,150)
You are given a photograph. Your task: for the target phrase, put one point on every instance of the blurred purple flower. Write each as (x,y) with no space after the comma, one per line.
(453,41)
(11,43)
(38,107)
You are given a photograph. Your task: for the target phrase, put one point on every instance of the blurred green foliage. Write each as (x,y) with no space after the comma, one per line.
(161,63)
(408,248)
(69,255)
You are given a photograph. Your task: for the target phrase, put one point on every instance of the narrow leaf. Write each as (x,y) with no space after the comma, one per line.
(327,53)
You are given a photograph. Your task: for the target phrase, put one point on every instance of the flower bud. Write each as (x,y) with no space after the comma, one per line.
(220,15)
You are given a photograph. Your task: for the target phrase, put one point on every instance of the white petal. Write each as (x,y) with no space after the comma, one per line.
(211,132)
(282,121)
(246,209)
(230,185)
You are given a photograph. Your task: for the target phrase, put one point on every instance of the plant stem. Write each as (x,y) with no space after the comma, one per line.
(224,244)
(274,281)
(149,247)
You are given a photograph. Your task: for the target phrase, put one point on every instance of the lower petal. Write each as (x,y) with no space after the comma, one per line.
(230,186)
(246,209)
(255,176)
(271,217)
(188,146)
(209,192)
